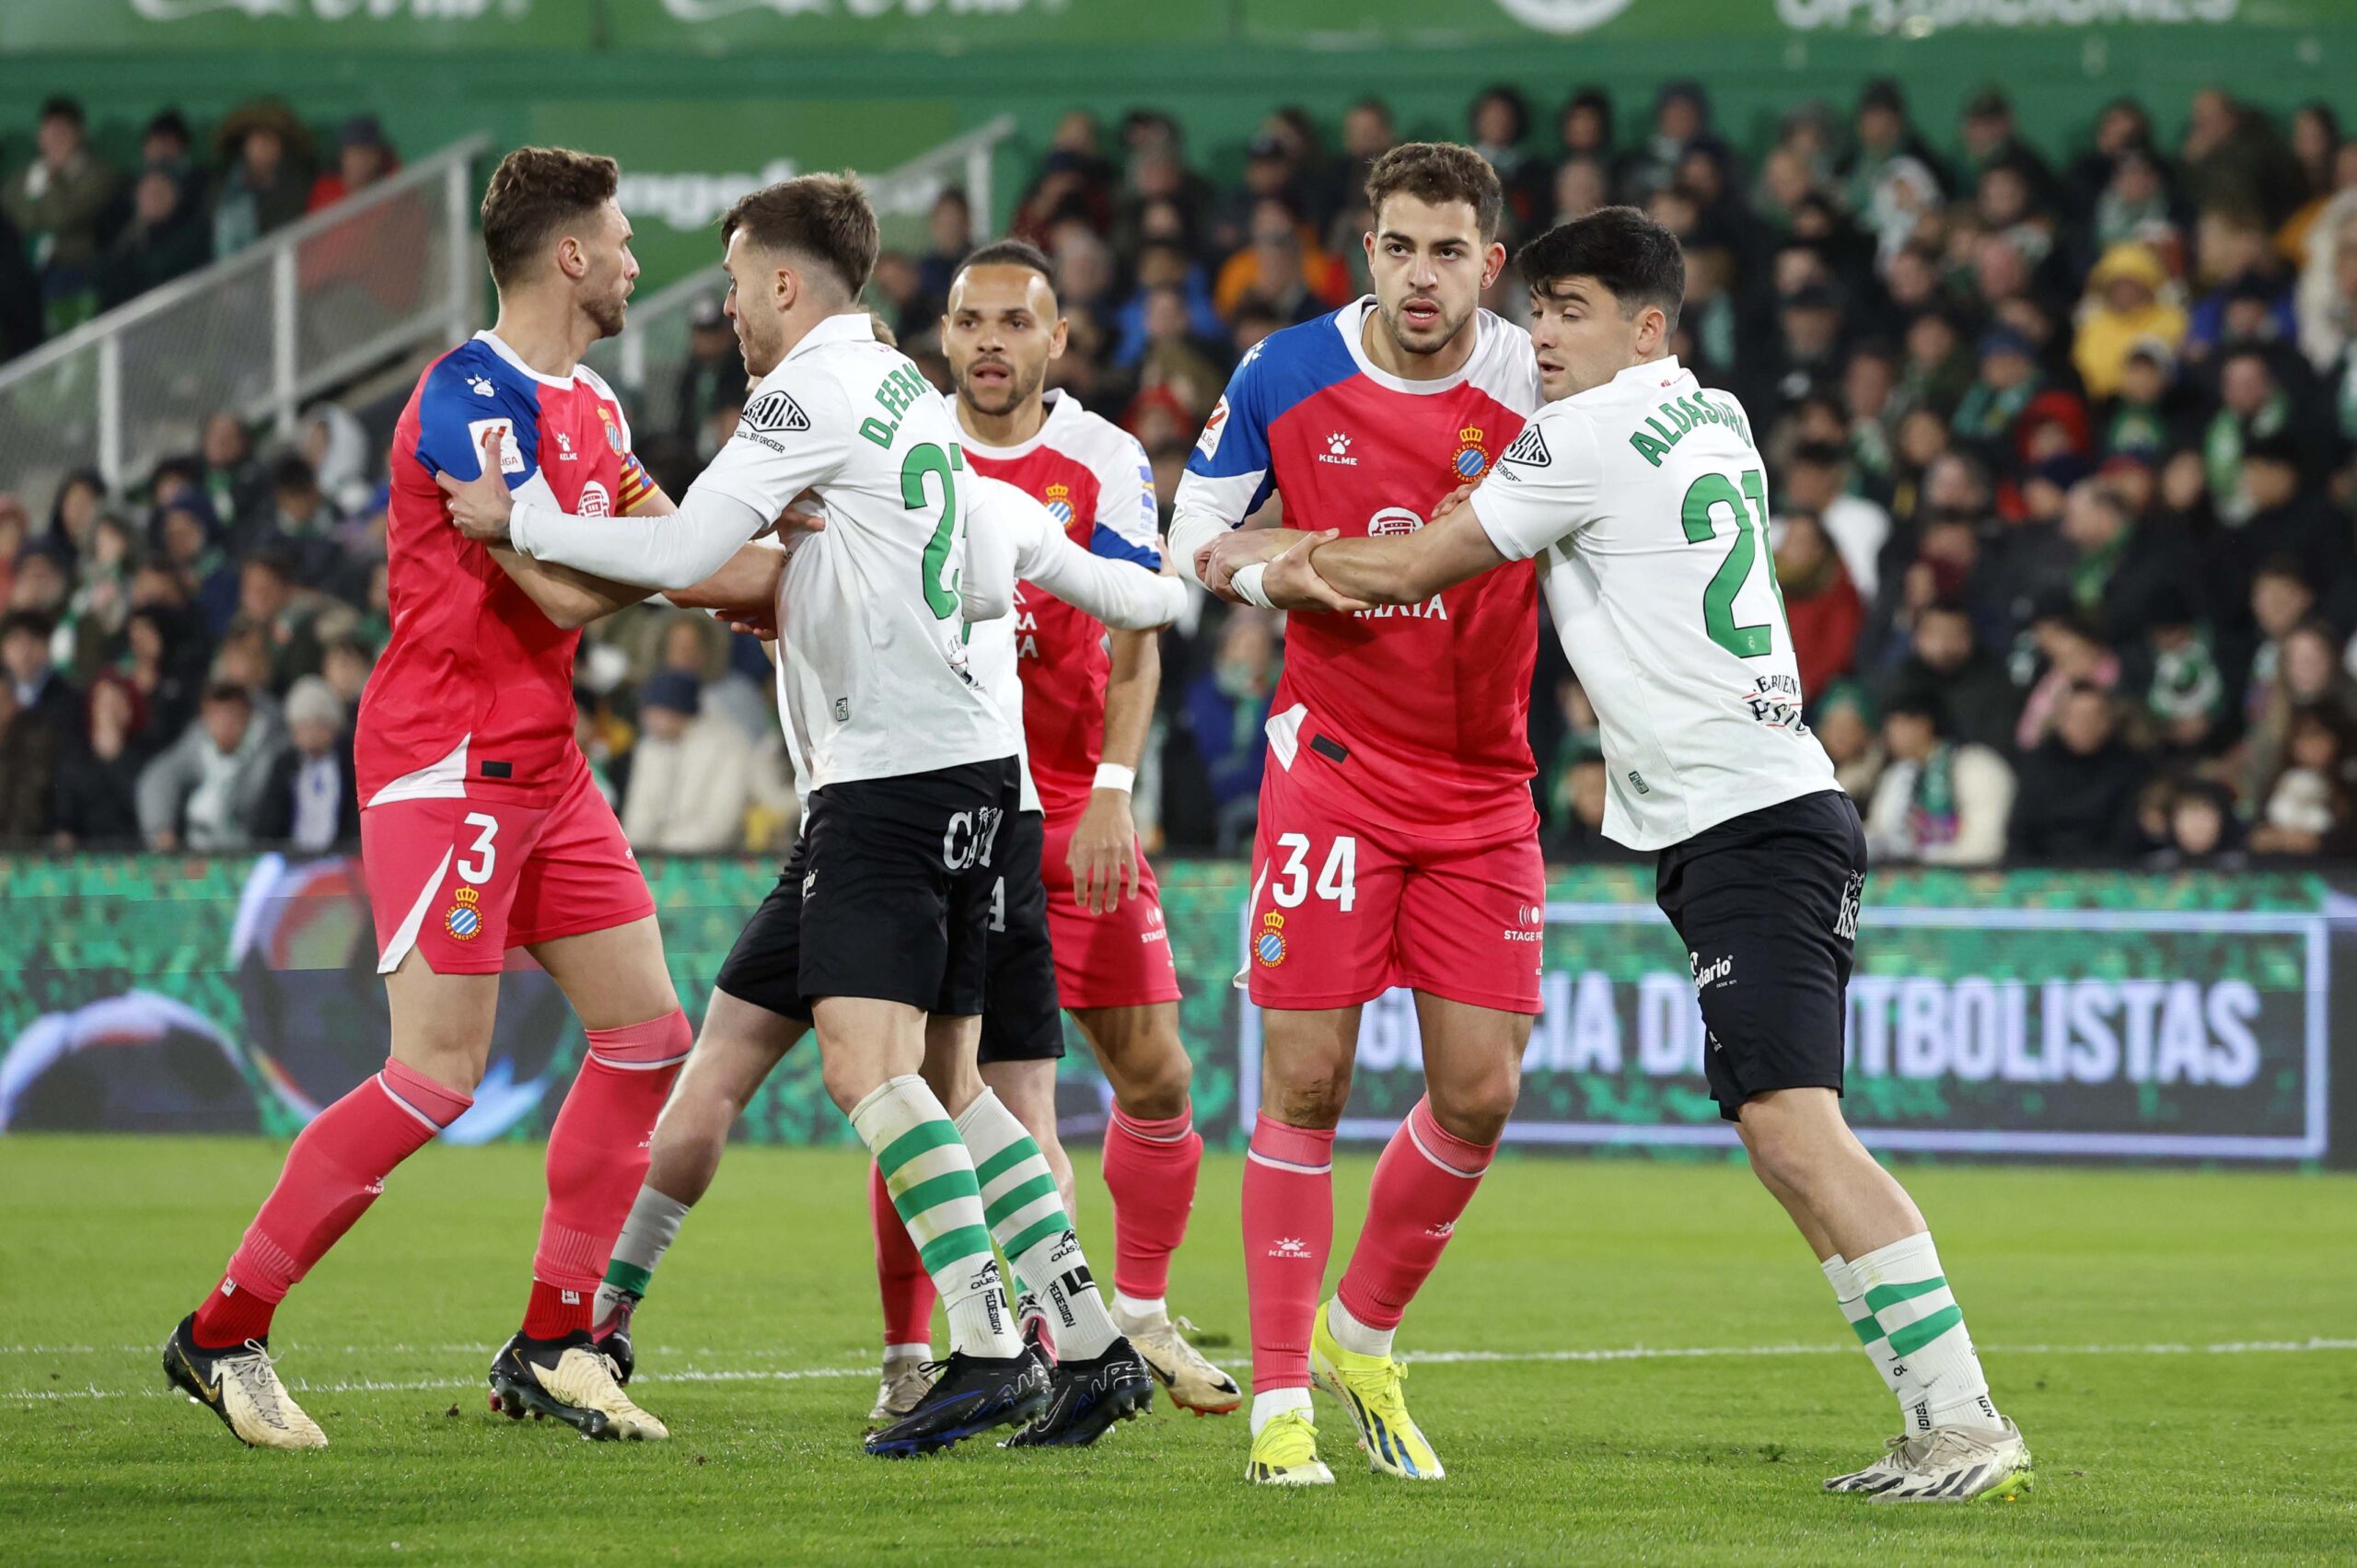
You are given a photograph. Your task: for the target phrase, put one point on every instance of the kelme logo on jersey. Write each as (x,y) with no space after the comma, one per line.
(773,414)
(1338,450)
(463,921)
(1529,449)
(1471,461)
(1058,501)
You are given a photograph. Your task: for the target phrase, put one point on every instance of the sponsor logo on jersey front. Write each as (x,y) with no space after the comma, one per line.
(773,414)
(463,919)
(594,501)
(1472,460)
(1391,522)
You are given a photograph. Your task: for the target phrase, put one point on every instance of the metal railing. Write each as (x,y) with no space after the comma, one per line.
(254,334)
(643,362)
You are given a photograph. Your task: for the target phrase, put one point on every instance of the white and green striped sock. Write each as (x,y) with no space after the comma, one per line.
(931,1177)
(653,1226)
(1929,1353)
(1852,1300)
(1027,1216)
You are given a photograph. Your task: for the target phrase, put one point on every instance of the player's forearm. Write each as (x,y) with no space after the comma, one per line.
(569,599)
(1123,595)
(747,580)
(1128,696)
(1380,571)
(670,552)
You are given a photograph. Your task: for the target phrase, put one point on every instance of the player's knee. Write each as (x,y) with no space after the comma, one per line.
(1307,1099)
(1785,1149)
(1158,1090)
(1476,1110)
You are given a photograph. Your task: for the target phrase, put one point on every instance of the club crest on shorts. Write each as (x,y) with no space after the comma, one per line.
(1471,461)
(1269,946)
(462,920)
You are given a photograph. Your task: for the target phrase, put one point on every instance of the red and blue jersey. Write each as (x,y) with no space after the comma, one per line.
(1422,709)
(473,694)
(1093,478)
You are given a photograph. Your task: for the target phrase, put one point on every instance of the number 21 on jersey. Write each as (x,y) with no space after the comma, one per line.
(1704,497)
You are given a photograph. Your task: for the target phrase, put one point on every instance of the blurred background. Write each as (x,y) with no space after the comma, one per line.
(2044,308)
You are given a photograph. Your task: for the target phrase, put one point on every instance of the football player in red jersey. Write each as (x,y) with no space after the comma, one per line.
(481,831)
(1088,702)
(1398,844)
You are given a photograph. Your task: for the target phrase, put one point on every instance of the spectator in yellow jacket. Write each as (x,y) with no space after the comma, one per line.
(2124,305)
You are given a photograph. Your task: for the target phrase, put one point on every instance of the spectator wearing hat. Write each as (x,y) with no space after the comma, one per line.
(2123,308)
(164,239)
(311,801)
(1845,723)
(691,774)
(1938,802)
(266,177)
(2146,414)
(2078,788)
(2008,380)
(1883,135)
(58,206)
(202,792)
(1993,139)
(363,156)
(96,797)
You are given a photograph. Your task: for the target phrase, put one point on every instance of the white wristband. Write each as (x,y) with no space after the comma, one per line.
(1247,584)
(1112,775)
(518,524)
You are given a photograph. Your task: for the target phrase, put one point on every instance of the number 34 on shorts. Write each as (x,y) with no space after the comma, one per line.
(1339,918)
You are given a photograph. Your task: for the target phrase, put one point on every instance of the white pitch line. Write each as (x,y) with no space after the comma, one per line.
(1625,1352)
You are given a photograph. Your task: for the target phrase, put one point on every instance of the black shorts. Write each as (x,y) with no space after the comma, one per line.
(887,895)
(1021,1021)
(1767,904)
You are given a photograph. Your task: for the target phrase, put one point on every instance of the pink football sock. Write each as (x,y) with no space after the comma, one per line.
(1288,1231)
(1423,1182)
(598,1158)
(335,1170)
(1150,1168)
(908,1291)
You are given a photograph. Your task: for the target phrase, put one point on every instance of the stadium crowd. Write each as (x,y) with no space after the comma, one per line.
(2059,440)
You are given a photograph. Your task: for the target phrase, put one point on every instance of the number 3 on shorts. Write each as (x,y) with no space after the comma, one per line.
(479,872)
(1337,879)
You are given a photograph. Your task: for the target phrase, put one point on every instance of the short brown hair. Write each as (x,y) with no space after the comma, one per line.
(823,216)
(1439,173)
(534,192)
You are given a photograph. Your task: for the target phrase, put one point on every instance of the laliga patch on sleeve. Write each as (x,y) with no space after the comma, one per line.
(1529,449)
(511,457)
(774,413)
(1208,442)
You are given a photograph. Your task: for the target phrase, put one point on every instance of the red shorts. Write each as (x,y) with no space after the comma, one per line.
(1343,909)
(1120,960)
(464,880)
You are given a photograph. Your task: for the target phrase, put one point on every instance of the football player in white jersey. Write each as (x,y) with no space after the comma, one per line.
(1645,501)
(877,933)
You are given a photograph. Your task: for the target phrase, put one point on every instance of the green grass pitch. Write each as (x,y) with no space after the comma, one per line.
(2238,1445)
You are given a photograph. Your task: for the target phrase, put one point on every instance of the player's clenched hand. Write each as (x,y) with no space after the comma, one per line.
(480,505)
(1103,854)
(1218,562)
(1292,581)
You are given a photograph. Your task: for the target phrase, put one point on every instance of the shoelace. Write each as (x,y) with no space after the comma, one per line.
(257,1374)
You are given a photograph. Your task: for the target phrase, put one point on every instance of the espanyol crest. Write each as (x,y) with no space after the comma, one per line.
(1059,504)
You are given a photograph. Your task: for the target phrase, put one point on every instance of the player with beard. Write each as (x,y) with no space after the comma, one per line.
(1398,844)
(482,828)
(1088,703)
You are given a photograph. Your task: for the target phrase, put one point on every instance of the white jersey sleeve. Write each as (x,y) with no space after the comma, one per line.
(994,528)
(1126,598)
(1544,487)
(793,434)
